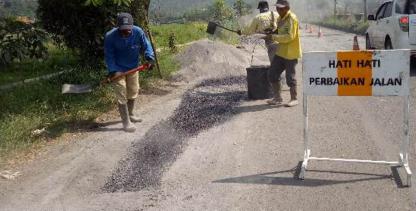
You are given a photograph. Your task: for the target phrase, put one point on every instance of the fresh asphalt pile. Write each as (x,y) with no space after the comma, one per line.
(218,70)
(209,103)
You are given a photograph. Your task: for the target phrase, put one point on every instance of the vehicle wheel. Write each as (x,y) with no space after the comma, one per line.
(367,42)
(387,44)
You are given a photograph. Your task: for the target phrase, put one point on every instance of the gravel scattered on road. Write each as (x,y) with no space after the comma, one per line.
(208,104)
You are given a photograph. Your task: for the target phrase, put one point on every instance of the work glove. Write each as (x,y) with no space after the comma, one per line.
(269,31)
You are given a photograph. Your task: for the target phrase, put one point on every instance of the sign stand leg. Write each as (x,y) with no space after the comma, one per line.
(307,152)
(404,152)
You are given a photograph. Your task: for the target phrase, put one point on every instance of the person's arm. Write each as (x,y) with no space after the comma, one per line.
(290,36)
(147,49)
(109,55)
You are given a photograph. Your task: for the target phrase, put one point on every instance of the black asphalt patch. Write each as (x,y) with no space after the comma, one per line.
(210,103)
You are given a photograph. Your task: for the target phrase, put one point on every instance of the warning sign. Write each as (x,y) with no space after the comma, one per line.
(356,73)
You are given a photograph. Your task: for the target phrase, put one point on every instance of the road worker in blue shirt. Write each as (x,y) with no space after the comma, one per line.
(123,46)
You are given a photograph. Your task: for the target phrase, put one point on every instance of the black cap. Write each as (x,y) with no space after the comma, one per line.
(263,4)
(124,21)
(282,4)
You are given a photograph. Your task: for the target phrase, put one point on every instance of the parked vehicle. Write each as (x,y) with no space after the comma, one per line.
(393,26)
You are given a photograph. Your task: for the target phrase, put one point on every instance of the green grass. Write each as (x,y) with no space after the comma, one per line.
(168,65)
(41,105)
(184,33)
(357,27)
(58,60)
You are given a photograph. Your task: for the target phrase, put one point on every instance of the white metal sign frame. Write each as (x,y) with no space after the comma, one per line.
(403,160)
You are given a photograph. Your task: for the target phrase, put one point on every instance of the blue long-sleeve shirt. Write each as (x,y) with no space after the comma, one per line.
(122,54)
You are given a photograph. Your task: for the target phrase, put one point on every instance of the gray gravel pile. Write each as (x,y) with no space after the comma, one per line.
(207,104)
(207,59)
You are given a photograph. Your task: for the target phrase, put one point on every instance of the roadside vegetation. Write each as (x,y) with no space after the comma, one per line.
(35,113)
(345,24)
(40,106)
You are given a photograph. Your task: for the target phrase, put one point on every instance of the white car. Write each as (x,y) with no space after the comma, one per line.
(393,26)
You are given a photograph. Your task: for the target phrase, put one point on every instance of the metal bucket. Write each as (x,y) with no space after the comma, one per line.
(257,83)
(211,27)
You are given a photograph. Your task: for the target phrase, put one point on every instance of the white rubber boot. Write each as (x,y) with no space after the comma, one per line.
(130,106)
(127,125)
(293,97)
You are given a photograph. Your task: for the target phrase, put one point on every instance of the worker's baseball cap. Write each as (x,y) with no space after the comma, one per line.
(263,4)
(282,4)
(124,21)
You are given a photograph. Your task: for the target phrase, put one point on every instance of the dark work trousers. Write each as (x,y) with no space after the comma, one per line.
(279,65)
(271,49)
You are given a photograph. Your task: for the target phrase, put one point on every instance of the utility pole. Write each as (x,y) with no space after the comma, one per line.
(365,10)
(335,8)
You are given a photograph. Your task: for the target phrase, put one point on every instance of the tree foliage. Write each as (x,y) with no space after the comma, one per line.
(101,2)
(221,11)
(81,26)
(19,40)
(241,8)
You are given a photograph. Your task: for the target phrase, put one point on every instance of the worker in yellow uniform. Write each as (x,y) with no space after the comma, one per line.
(263,23)
(287,55)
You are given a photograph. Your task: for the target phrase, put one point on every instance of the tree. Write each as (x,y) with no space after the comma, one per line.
(221,11)
(241,8)
(19,40)
(79,25)
(101,2)
(140,12)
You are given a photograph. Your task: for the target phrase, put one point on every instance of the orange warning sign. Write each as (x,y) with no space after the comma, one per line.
(357,73)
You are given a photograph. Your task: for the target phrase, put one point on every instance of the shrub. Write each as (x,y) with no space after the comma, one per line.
(358,27)
(19,40)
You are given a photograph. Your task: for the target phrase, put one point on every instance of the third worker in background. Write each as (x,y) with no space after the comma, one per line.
(264,23)
(287,55)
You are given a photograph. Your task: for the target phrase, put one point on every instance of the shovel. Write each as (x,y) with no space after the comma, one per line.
(212,26)
(86,88)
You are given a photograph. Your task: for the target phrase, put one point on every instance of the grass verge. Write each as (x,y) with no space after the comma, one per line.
(356,27)
(59,59)
(184,33)
(40,105)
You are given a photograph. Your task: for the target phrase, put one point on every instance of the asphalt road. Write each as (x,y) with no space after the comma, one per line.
(204,146)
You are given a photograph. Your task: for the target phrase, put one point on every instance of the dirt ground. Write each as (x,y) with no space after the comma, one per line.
(204,146)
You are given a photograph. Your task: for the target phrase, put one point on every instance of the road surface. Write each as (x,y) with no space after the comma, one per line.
(204,146)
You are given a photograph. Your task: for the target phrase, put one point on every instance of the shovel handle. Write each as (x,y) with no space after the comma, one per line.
(137,69)
(226,28)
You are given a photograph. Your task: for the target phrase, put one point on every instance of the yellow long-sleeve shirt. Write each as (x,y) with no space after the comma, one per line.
(288,37)
(261,23)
